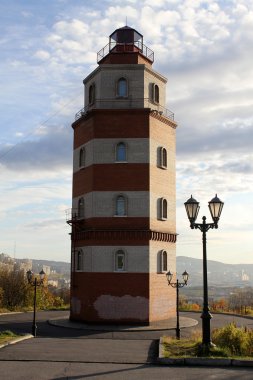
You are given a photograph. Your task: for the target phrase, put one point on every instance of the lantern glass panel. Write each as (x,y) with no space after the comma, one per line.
(192,209)
(215,207)
(169,276)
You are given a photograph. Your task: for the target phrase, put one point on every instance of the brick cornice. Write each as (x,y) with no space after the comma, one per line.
(124,235)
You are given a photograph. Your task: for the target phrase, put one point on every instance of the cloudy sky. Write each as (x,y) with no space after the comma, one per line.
(204,48)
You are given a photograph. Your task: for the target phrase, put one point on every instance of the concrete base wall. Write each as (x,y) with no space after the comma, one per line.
(121,298)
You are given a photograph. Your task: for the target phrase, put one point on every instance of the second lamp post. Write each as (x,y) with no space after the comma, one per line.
(34,281)
(192,209)
(177,285)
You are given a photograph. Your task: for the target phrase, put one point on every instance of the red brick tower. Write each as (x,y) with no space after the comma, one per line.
(123,213)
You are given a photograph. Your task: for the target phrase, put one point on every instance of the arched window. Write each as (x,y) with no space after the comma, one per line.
(120,261)
(79,260)
(163,209)
(120,205)
(121,152)
(155,93)
(162,158)
(122,87)
(81,157)
(80,210)
(92,93)
(164,259)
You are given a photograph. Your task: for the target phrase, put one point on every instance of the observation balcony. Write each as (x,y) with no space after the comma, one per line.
(132,47)
(126,103)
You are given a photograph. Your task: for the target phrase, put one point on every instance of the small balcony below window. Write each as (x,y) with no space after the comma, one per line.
(73,215)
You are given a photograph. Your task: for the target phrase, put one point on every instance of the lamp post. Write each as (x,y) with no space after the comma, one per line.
(34,281)
(177,285)
(192,208)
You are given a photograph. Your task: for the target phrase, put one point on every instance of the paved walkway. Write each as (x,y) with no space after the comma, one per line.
(120,354)
(169,324)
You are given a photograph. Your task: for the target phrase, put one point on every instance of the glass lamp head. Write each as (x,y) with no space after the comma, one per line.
(185,276)
(192,209)
(215,207)
(169,276)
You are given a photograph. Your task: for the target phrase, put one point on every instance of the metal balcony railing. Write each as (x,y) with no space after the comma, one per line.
(117,47)
(126,103)
(73,215)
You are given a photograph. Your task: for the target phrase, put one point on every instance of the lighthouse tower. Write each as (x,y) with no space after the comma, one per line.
(123,210)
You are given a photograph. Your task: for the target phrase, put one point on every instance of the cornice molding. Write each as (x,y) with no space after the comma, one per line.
(124,235)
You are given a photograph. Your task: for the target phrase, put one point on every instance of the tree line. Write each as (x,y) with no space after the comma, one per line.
(240,301)
(16,293)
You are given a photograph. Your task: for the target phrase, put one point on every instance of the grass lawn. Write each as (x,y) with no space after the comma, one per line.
(230,342)
(192,348)
(7,336)
(188,348)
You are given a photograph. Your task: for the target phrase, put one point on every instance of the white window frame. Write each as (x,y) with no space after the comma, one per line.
(81,208)
(118,95)
(92,94)
(155,93)
(163,264)
(163,213)
(79,260)
(162,158)
(125,205)
(119,252)
(121,143)
(82,157)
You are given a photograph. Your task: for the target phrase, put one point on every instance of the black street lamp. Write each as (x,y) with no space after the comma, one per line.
(177,285)
(192,209)
(34,281)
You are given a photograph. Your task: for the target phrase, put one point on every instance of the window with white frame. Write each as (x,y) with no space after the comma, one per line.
(82,157)
(122,88)
(163,261)
(80,208)
(121,152)
(163,209)
(79,260)
(162,158)
(120,261)
(120,209)
(155,93)
(92,90)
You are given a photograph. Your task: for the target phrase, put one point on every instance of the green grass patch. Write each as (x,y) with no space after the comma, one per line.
(230,342)
(6,336)
(190,348)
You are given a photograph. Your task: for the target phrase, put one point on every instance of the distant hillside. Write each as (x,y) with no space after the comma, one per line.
(59,266)
(218,273)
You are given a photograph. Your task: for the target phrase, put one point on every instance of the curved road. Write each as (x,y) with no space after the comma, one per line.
(22,322)
(63,353)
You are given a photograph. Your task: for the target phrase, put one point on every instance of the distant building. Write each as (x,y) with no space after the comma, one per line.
(25,265)
(245,276)
(46,269)
(53,283)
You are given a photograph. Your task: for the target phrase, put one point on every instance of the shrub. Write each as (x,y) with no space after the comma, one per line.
(239,341)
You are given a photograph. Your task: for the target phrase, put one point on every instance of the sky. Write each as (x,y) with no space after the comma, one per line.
(204,48)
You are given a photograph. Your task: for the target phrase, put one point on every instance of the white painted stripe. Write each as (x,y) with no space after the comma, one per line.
(138,259)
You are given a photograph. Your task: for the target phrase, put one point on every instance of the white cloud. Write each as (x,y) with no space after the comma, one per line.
(42,54)
(203,47)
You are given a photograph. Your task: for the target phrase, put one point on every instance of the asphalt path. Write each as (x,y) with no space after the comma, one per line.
(63,353)
(22,323)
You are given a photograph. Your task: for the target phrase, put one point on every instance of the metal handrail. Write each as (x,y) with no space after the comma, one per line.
(126,103)
(125,47)
(73,214)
